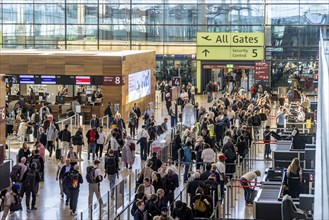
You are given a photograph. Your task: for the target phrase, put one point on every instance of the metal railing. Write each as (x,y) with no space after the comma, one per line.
(70,119)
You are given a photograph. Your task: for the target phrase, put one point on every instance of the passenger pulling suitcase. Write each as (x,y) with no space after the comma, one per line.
(58,153)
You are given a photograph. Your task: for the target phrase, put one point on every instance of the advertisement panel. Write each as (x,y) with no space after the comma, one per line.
(139,85)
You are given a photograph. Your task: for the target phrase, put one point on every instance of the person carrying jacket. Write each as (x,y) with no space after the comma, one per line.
(30,180)
(92,136)
(65,137)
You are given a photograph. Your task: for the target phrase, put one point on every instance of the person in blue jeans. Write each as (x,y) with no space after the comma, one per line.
(187,159)
(248,182)
(92,136)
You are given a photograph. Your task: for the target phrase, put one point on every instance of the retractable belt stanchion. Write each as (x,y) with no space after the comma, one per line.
(226,201)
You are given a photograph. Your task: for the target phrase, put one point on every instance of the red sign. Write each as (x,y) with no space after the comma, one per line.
(82,80)
(261,71)
(112,81)
(214,66)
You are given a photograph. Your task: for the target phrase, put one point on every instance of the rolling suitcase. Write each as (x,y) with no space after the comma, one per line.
(58,153)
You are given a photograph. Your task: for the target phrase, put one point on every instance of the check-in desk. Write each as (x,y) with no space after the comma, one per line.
(284,154)
(268,202)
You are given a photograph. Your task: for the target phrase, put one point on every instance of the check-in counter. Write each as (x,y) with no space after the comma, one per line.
(284,154)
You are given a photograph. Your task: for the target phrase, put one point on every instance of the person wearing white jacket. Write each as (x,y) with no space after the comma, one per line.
(208,155)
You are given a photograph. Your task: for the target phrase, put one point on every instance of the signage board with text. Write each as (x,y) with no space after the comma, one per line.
(261,71)
(230,53)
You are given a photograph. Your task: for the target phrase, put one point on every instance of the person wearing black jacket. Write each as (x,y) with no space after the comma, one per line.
(193,185)
(229,152)
(30,180)
(63,177)
(78,140)
(162,201)
(157,163)
(138,112)
(182,212)
(152,208)
(42,137)
(170,184)
(24,152)
(40,163)
(176,145)
(204,176)
(75,179)
(108,112)
(111,169)
(65,137)
(139,213)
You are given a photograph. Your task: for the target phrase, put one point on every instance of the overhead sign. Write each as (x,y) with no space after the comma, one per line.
(230,53)
(230,39)
(261,71)
(112,80)
(176,81)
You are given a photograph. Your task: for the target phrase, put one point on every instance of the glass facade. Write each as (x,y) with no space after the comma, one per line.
(167,26)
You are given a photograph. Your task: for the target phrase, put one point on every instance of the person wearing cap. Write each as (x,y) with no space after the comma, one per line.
(100,142)
(30,180)
(249,182)
(221,170)
(267,139)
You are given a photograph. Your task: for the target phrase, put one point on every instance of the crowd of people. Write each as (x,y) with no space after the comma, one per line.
(220,137)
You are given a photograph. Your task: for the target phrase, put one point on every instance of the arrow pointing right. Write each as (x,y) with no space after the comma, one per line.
(205,51)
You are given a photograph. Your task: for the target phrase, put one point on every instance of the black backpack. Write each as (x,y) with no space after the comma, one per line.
(90,176)
(111,166)
(73,179)
(30,178)
(15,174)
(37,161)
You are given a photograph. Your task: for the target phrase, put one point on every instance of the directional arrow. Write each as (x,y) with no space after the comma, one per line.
(205,51)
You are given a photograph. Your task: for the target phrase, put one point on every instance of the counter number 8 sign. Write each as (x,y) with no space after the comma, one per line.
(117,80)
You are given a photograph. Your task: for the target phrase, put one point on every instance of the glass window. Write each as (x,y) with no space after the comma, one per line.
(108,33)
(284,36)
(48,34)
(18,13)
(81,32)
(148,14)
(180,14)
(81,14)
(312,14)
(289,14)
(148,34)
(309,35)
(49,13)
(176,33)
(113,14)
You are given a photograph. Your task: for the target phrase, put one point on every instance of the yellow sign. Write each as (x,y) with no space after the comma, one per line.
(230,39)
(230,53)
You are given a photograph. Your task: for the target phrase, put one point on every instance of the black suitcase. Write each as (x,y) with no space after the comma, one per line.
(276,136)
(58,153)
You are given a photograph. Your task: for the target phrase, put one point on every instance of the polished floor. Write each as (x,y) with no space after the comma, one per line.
(51,206)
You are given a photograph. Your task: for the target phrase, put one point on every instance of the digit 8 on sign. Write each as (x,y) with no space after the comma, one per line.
(117,80)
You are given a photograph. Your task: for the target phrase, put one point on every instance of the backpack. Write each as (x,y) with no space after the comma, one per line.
(37,118)
(199,205)
(15,174)
(30,178)
(74,180)
(111,166)
(229,154)
(90,176)
(37,161)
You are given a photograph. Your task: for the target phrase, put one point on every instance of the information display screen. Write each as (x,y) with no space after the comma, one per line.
(82,80)
(139,85)
(65,80)
(48,79)
(26,79)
